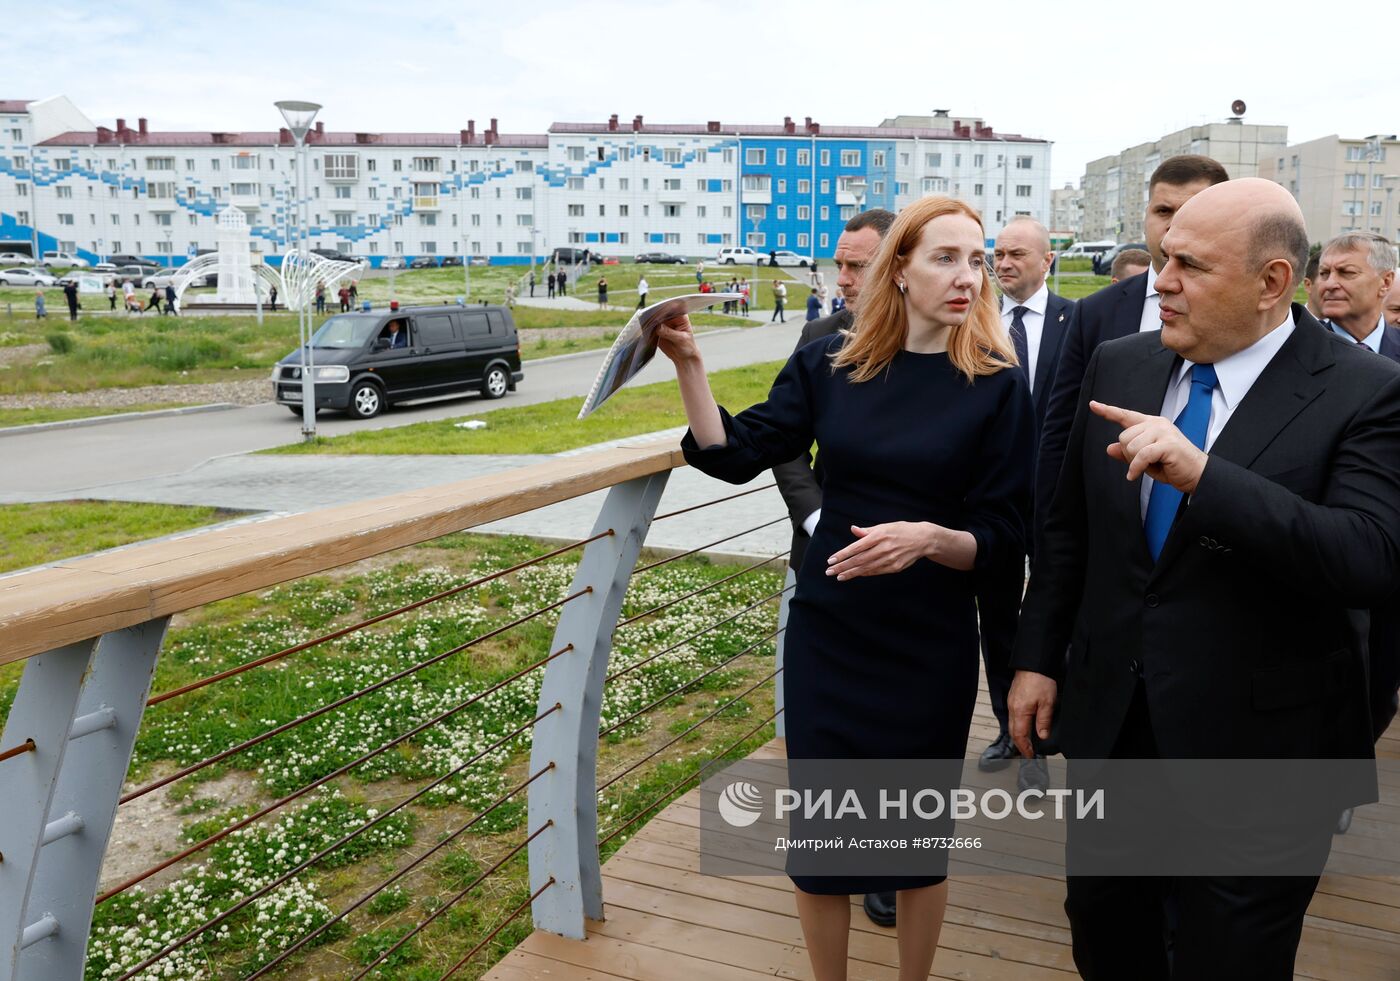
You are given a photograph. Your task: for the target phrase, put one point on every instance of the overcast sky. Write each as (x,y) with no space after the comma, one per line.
(1092,77)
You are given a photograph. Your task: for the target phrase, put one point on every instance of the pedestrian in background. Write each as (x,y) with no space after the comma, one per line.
(814,306)
(111,295)
(170,300)
(320,297)
(549,282)
(272,299)
(343,294)
(70,293)
(40,311)
(779,299)
(602,292)
(642,288)
(532,283)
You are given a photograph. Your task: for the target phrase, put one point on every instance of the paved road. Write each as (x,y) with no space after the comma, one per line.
(65,463)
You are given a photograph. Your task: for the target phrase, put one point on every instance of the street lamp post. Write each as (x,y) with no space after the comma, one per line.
(1385,222)
(169,254)
(299,117)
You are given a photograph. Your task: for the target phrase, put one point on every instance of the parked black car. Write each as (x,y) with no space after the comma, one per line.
(423,262)
(660,257)
(335,255)
(1103,263)
(442,350)
(451,260)
(122,259)
(570,256)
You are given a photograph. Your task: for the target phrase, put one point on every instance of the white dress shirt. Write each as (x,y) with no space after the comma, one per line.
(1235,375)
(1371,340)
(1034,322)
(1151,306)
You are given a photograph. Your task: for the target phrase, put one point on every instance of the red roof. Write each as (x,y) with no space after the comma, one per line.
(268,138)
(15,105)
(624,128)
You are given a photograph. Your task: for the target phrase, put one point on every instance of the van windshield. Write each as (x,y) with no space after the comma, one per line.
(345,332)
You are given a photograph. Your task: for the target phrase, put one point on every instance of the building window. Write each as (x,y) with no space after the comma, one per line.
(978,190)
(1023,190)
(877,158)
(826,188)
(602,211)
(727,211)
(823,240)
(646,154)
(804,187)
(163,163)
(525,220)
(782,215)
(602,184)
(756,182)
(727,156)
(877,188)
(1024,163)
(342,167)
(850,158)
(979,160)
(575,153)
(344,219)
(933,159)
(524,193)
(825,213)
(427,218)
(575,211)
(756,239)
(430,248)
(957,160)
(699,211)
(782,187)
(576,183)
(65,219)
(374,194)
(848,211)
(371,165)
(244,161)
(63,192)
(525,166)
(342,191)
(755,156)
(804,213)
(622,210)
(672,210)
(163,218)
(804,158)
(671,155)
(602,154)
(801,240)
(213,164)
(826,158)
(671,184)
(780,157)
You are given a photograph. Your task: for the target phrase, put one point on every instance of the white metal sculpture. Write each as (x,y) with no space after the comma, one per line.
(301,274)
(235,258)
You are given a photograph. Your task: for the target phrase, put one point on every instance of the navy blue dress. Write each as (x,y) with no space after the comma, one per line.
(886,667)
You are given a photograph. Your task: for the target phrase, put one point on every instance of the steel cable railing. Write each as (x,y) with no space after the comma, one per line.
(670,791)
(340,771)
(346,631)
(338,917)
(696,592)
(677,738)
(699,633)
(248,900)
(28,746)
(492,935)
(718,500)
(344,700)
(719,541)
(452,901)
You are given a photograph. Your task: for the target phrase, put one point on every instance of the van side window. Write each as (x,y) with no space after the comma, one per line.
(498,323)
(435,329)
(475,324)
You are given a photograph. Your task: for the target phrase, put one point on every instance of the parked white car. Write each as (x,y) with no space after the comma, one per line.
(15,259)
(66,259)
(394,262)
(732,254)
(786,257)
(26,277)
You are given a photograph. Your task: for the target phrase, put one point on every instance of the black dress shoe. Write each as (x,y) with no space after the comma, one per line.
(998,754)
(1343,823)
(1034,775)
(879,906)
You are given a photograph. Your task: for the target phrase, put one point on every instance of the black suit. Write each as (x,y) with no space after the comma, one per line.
(1114,311)
(1059,323)
(1238,642)
(1385,620)
(800,480)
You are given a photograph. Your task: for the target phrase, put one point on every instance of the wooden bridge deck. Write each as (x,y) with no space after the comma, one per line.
(666,921)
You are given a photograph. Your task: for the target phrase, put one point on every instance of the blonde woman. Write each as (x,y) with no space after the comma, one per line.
(925,436)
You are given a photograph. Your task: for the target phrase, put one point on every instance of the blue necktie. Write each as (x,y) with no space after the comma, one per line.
(1018,338)
(1194,421)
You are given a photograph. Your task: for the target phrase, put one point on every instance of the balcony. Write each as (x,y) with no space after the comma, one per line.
(91,632)
(426,202)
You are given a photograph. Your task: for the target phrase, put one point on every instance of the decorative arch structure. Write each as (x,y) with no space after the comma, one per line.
(300,274)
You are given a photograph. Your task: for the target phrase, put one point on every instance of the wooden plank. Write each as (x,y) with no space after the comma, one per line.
(523,965)
(636,961)
(44,609)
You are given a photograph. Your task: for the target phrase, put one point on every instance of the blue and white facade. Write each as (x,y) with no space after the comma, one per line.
(616,189)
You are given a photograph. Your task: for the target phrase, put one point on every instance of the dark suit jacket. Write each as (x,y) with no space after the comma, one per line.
(1241,631)
(1390,343)
(1059,322)
(799,481)
(1114,311)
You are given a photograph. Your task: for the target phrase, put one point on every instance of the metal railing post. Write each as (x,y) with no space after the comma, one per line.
(81,705)
(569,737)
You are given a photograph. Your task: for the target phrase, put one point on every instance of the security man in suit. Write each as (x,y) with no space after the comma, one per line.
(800,480)
(1203,572)
(1356,275)
(1116,311)
(1038,322)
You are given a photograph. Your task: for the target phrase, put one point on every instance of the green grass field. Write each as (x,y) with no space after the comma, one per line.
(37,414)
(32,534)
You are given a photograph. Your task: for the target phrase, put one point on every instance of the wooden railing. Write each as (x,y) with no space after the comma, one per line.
(89,632)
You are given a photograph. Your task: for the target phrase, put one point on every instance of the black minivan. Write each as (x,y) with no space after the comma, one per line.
(366,361)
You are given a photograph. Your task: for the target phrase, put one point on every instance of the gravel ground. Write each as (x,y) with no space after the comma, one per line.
(249,392)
